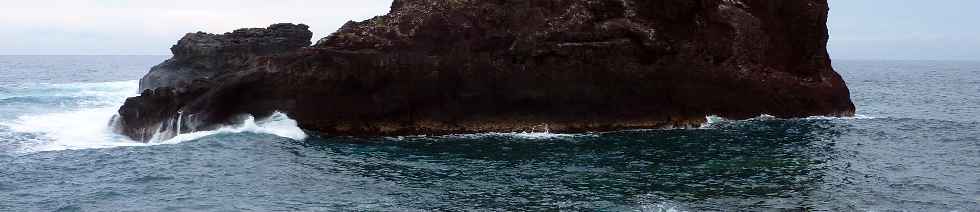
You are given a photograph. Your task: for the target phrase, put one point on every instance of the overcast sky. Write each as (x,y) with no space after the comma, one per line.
(860,29)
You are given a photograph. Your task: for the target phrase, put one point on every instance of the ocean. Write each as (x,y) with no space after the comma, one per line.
(915,146)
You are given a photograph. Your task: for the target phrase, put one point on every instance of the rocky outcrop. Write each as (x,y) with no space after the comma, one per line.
(203,56)
(460,66)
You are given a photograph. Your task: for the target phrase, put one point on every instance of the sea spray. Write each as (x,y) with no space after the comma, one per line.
(711,120)
(83,126)
(180,115)
(278,124)
(76,124)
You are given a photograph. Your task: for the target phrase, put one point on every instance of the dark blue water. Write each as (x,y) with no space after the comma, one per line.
(916,147)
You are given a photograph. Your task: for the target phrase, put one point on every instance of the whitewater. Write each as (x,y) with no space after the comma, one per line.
(83,124)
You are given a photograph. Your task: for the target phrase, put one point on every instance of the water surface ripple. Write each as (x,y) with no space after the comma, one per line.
(916,149)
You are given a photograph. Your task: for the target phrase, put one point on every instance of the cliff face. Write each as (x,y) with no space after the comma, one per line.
(458,66)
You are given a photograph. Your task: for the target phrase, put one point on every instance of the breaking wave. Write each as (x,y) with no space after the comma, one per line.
(278,124)
(37,126)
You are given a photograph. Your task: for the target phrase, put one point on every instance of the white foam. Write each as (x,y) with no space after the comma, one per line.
(519,135)
(764,117)
(78,128)
(278,124)
(654,203)
(87,127)
(81,129)
(712,120)
(855,117)
(540,132)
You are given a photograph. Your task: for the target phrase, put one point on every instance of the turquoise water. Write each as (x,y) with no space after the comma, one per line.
(915,147)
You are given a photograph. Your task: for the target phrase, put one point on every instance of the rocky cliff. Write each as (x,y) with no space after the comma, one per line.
(460,66)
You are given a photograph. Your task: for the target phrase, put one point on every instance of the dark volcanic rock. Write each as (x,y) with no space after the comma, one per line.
(202,55)
(459,66)
(158,112)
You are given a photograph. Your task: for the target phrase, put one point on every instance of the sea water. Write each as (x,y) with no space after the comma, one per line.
(915,147)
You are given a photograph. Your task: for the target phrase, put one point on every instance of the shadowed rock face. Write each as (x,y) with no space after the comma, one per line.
(460,66)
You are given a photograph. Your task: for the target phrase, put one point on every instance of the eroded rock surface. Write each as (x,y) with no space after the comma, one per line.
(203,56)
(461,66)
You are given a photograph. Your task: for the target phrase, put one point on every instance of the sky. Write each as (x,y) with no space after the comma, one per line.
(905,29)
(860,29)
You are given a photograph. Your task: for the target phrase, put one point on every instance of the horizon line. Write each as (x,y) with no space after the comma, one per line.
(86,54)
(880,59)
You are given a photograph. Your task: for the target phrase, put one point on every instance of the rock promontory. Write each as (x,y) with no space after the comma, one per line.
(464,66)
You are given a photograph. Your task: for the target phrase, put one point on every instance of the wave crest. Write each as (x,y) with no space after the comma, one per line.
(45,126)
(278,124)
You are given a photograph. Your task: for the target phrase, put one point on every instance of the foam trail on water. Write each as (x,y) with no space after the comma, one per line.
(518,135)
(534,134)
(540,132)
(713,120)
(855,117)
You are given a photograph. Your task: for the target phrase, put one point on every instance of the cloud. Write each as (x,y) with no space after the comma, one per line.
(859,28)
(150,27)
